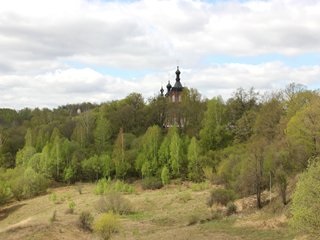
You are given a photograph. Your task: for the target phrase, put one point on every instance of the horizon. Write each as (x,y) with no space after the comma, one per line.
(59,53)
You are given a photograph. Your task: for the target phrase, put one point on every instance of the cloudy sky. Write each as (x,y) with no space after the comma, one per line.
(57,52)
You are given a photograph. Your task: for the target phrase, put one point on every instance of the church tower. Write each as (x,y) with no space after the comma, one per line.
(174,99)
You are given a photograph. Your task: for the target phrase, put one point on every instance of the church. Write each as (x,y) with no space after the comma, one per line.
(173,96)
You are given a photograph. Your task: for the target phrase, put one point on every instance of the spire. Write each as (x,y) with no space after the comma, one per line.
(169,86)
(178,74)
(177,86)
(161,91)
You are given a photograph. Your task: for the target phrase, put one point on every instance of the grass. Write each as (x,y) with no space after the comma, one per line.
(227,225)
(172,212)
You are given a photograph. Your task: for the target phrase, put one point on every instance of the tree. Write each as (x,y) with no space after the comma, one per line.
(256,149)
(305,202)
(83,131)
(175,154)
(214,133)
(165,175)
(24,155)
(192,111)
(118,156)
(194,165)
(93,168)
(148,157)
(268,119)
(241,102)
(102,133)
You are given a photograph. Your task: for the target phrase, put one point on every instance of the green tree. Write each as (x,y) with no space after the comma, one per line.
(148,157)
(305,202)
(175,154)
(118,156)
(214,133)
(102,133)
(194,165)
(93,168)
(165,175)
(303,133)
(24,155)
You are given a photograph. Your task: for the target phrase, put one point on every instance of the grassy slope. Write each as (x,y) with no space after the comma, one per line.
(159,214)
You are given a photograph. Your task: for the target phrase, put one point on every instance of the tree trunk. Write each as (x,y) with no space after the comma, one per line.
(283,190)
(259,205)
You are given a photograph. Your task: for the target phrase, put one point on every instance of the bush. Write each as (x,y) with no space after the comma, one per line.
(151,183)
(184,197)
(106,186)
(53,216)
(85,221)
(221,196)
(54,198)
(216,215)
(79,188)
(120,186)
(27,183)
(106,225)
(71,207)
(114,202)
(208,173)
(305,202)
(197,187)
(5,192)
(231,208)
(192,219)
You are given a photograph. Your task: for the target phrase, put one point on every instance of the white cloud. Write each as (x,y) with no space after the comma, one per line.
(82,85)
(42,43)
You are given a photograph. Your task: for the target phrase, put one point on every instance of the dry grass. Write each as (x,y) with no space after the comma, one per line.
(158,214)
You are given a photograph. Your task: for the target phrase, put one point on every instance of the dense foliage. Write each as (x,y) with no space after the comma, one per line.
(305,203)
(241,142)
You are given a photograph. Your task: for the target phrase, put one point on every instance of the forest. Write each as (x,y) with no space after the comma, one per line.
(245,142)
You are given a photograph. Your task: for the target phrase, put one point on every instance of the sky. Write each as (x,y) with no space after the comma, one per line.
(61,52)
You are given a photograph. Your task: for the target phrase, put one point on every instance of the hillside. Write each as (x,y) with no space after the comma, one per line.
(168,213)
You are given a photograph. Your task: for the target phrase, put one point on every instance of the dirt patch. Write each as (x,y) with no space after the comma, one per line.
(4,213)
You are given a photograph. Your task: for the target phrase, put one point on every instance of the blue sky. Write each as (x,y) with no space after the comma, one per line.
(59,52)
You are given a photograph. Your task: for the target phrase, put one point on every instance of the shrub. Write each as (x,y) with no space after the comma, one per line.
(53,216)
(184,197)
(105,186)
(71,207)
(165,176)
(197,187)
(106,225)
(208,173)
(120,186)
(53,197)
(79,188)
(114,202)
(231,208)
(305,202)
(151,183)
(85,221)
(192,219)
(216,215)
(5,192)
(27,183)
(220,196)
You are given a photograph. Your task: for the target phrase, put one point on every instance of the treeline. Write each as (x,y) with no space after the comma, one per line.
(241,142)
